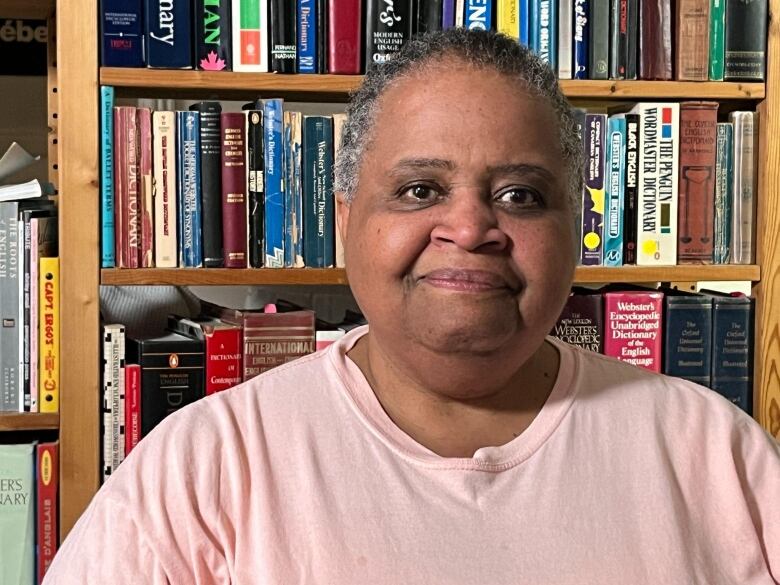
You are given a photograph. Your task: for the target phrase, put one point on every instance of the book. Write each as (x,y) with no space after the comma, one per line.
(307,36)
(618,35)
(745,40)
(460,12)
(698,138)
(717,32)
(599,39)
(234,185)
(122,32)
(478,14)
(429,15)
(325,337)
(171,375)
(388,28)
(565,38)
(323,53)
(250,26)
(632,327)
(293,192)
(581,322)
(126,205)
(339,120)
(113,403)
(255,186)
(594,140)
(49,340)
(318,232)
(17,514)
(534,27)
(688,336)
(447,14)
(724,167)
(655,39)
(632,39)
(631,189)
(344,36)
(692,46)
(43,233)
(657,192)
(211,180)
(282,21)
(188,189)
(165,182)
(548,32)
(744,190)
(525,21)
(615,190)
(10,350)
(46,508)
(213,42)
(107,256)
(581,51)
(145,189)
(169,33)
(274,165)
(132,421)
(732,349)
(508,18)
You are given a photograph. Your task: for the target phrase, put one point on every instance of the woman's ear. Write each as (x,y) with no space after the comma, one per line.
(342,215)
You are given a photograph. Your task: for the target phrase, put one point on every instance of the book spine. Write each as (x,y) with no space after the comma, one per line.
(145,188)
(169,33)
(46,509)
(293,195)
(211,181)
(460,13)
(658,168)
(688,338)
(224,359)
(212,35)
(743,206)
(307,36)
(745,41)
(234,186)
(389,26)
(189,199)
(132,407)
(250,35)
(593,191)
(273,152)
(120,187)
(165,207)
(110,382)
(534,18)
(693,40)
(717,31)
(633,328)
(698,150)
(25,228)
(49,343)
(655,39)
(599,39)
(565,38)
(508,17)
(255,186)
(318,191)
(271,341)
(344,36)
(732,349)
(631,189)
(323,53)
(580,56)
(724,167)
(107,256)
(123,33)
(118,403)
(429,16)
(525,22)
(548,32)
(632,39)
(33,337)
(338,127)
(614,209)
(9,306)
(283,37)
(478,14)
(447,14)
(133,253)
(618,35)
(581,322)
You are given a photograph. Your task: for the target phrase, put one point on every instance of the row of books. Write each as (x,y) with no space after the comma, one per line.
(207,188)
(580,39)
(29,479)
(706,338)
(29,306)
(666,183)
(145,379)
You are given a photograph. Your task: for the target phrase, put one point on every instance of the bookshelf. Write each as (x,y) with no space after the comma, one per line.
(13,421)
(79,77)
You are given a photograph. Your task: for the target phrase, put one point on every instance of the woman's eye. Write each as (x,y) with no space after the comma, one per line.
(419,194)
(520,197)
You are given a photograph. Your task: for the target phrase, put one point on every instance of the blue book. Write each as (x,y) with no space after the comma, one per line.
(479,14)
(273,152)
(533,24)
(525,22)
(732,349)
(169,34)
(447,14)
(107,256)
(615,191)
(293,220)
(122,28)
(547,31)
(688,336)
(581,55)
(188,191)
(318,228)
(307,36)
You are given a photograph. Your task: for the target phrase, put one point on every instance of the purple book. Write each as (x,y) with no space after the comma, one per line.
(447,14)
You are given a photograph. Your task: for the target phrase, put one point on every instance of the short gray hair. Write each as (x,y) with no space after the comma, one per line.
(481,49)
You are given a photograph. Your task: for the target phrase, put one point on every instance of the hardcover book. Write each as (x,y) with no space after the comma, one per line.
(188,189)
(273,151)
(307,36)
(724,166)
(633,327)
(169,33)
(693,40)
(388,27)
(132,420)
(478,14)
(283,37)
(429,15)
(745,174)
(344,36)
(49,339)
(234,185)
(717,32)
(293,192)
(565,38)
(43,233)
(525,21)
(732,349)
(339,120)
(126,188)
(171,375)
(17,514)
(698,137)
(255,185)
(615,190)
(145,188)
(631,189)
(582,321)
(548,32)
(250,35)
(618,34)
(212,35)
(165,181)
(745,40)
(655,39)
(318,232)
(114,383)
(632,39)
(122,30)
(508,18)
(594,135)
(46,509)
(688,336)
(447,14)
(599,39)
(581,55)
(10,350)
(323,53)
(107,255)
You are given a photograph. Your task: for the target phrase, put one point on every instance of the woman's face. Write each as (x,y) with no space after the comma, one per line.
(459,238)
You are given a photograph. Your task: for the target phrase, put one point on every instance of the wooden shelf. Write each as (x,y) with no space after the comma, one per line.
(160,82)
(28,421)
(39,9)
(319,276)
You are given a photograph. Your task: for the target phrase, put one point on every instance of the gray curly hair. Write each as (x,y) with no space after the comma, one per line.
(481,49)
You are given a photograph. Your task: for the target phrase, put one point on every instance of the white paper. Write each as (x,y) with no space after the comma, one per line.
(28,190)
(14,160)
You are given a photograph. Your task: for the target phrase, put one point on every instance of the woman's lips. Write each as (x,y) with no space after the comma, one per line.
(466,280)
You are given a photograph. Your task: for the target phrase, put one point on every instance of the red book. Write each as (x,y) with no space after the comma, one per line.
(47,477)
(344,36)
(128,245)
(632,326)
(132,406)
(233,156)
(145,188)
(655,39)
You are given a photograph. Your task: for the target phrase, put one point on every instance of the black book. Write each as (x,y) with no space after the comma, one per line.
(581,322)
(745,40)
(171,375)
(387,29)
(283,40)
(599,39)
(632,39)
(212,35)
(255,199)
(688,336)
(210,181)
(428,17)
(617,38)
(632,189)
(732,349)
(322,36)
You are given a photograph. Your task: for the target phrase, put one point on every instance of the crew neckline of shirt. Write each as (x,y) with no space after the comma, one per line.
(490,459)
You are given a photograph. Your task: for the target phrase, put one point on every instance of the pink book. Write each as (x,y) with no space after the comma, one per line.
(132,406)
(632,327)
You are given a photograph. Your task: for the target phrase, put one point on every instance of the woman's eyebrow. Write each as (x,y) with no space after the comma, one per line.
(416,164)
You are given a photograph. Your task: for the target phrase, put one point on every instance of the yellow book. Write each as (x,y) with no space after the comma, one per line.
(509,18)
(49,335)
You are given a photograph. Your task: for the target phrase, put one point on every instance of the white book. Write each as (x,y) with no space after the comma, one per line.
(658,169)
(111,390)
(743,203)
(565,36)
(338,125)
(460,10)
(254,56)
(164,177)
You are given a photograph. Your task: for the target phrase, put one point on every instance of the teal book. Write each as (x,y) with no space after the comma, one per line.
(717,30)
(724,171)
(318,229)
(615,191)
(17,514)
(107,259)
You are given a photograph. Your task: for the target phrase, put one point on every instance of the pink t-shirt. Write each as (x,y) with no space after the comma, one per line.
(299,476)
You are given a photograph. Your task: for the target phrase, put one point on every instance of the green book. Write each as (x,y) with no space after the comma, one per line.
(724,168)
(717,27)
(17,514)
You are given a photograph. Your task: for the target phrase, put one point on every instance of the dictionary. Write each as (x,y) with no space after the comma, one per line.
(632,327)
(582,321)
(688,336)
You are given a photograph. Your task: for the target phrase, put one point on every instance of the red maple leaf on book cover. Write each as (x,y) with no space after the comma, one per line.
(212,62)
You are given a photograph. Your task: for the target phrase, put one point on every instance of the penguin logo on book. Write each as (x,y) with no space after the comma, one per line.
(173,360)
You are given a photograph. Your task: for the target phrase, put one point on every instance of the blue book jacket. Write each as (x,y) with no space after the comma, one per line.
(615,191)
(447,14)
(107,257)
(307,36)
(479,14)
(169,34)
(318,228)
(732,349)
(547,31)
(581,39)
(688,337)
(525,22)
(122,31)
(189,198)
(273,149)
(533,24)
(293,221)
